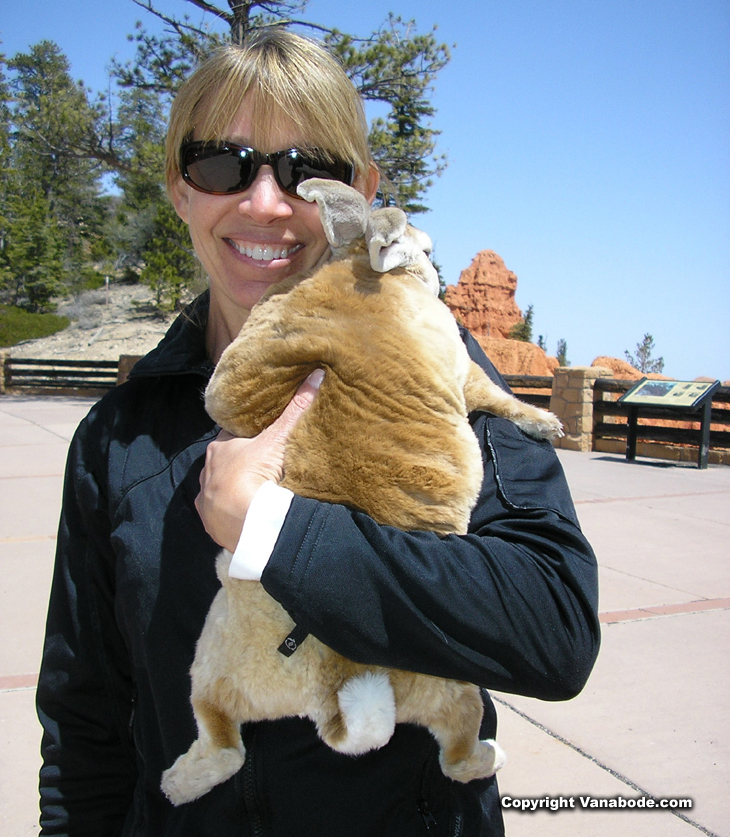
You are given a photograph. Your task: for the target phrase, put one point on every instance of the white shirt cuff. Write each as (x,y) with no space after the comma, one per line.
(261,529)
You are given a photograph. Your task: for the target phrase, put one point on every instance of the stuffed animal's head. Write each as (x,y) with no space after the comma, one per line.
(391,241)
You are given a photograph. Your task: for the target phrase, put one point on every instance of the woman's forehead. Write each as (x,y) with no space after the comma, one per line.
(254,122)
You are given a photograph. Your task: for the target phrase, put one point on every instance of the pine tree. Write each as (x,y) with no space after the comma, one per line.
(51,119)
(561,353)
(140,121)
(643,360)
(34,252)
(170,267)
(397,67)
(6,172)
(523,330)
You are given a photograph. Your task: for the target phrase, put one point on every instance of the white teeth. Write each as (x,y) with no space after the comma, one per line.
(263,253)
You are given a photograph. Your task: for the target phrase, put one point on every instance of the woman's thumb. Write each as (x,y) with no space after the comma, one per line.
(302,401)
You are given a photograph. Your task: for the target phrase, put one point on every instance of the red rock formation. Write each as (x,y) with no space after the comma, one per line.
(621,369)
(483,300)
(625,371)
(515,357)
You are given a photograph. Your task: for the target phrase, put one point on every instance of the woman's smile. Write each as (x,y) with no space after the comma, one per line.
(264,254)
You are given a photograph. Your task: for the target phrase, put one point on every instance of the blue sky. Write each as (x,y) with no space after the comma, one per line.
(588,145)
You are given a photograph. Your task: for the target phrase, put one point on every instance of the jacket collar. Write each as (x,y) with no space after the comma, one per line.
(182,350)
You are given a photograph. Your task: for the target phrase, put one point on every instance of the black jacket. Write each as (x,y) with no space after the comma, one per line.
(510,606)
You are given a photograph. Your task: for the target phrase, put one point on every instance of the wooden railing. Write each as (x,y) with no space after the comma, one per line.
(534,389)
(87,377)
(656,426)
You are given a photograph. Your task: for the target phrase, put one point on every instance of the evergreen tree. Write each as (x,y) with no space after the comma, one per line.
(6,173)
(523,330)
(643,360)
(140,121)
(561,353)
(397,67)
(34,252)
(51,118)
(170,267)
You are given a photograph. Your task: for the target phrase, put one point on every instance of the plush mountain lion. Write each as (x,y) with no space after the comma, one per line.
(387,434)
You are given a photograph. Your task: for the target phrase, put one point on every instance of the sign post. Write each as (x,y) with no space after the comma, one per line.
(684,397)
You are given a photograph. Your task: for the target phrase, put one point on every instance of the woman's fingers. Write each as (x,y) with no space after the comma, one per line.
(236,468)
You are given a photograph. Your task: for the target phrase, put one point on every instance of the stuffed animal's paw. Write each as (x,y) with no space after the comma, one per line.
(540,424)
(196,772)
(488,757)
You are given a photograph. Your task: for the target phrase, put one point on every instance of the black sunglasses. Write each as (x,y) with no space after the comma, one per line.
(224,168)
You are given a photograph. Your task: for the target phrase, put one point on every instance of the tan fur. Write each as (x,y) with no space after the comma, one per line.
(387,434)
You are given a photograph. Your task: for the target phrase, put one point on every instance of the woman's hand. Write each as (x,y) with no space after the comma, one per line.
(236,468)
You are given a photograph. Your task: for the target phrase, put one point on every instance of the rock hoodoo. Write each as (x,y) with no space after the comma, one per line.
(483,300)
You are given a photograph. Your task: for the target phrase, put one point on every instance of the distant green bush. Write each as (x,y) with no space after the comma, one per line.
(87,279)
(17,325)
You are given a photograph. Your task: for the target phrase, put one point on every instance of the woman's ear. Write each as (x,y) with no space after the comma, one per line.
(372,182)
(180,197)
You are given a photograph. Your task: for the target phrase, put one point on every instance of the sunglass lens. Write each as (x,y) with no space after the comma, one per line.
(221,170)
(296,167)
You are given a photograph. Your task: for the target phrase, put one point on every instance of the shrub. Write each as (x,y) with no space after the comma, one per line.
(17,325)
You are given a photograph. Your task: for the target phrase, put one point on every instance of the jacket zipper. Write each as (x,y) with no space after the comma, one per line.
(428,817)
(432,822)
(132,713)
(248,783)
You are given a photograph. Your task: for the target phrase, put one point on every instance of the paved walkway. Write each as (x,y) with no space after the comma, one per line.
(652,721)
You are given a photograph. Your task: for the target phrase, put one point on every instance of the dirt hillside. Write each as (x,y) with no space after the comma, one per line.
(104,325)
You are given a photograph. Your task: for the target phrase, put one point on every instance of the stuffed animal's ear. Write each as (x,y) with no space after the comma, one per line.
(393,243)
(385,227)
(344,211)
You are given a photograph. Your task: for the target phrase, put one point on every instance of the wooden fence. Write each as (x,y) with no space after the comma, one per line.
(656,426)
(534,389)
(44,377)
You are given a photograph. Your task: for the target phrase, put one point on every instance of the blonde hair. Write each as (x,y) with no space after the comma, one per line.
(291,80)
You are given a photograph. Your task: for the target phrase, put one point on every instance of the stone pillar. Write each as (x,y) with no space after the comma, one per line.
(572,403)
(126,362)
(3,355)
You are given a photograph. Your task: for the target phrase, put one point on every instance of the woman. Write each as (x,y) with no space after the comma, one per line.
(151,493)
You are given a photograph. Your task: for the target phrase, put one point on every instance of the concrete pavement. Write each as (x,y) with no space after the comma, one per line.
(653,720)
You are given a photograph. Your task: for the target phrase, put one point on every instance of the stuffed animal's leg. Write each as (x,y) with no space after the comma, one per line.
(362,715)
(453,712)
(213,758)
(483,394)
(456,728)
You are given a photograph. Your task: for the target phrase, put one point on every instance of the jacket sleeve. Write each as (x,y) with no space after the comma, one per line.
(84,696)
(511,605)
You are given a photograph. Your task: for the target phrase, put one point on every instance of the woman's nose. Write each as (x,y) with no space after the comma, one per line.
(265,200)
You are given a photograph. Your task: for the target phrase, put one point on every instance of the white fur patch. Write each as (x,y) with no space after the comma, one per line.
(367,704)
(500,757)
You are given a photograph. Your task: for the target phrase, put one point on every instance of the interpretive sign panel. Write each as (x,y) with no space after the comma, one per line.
(652,393)
(683,397)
